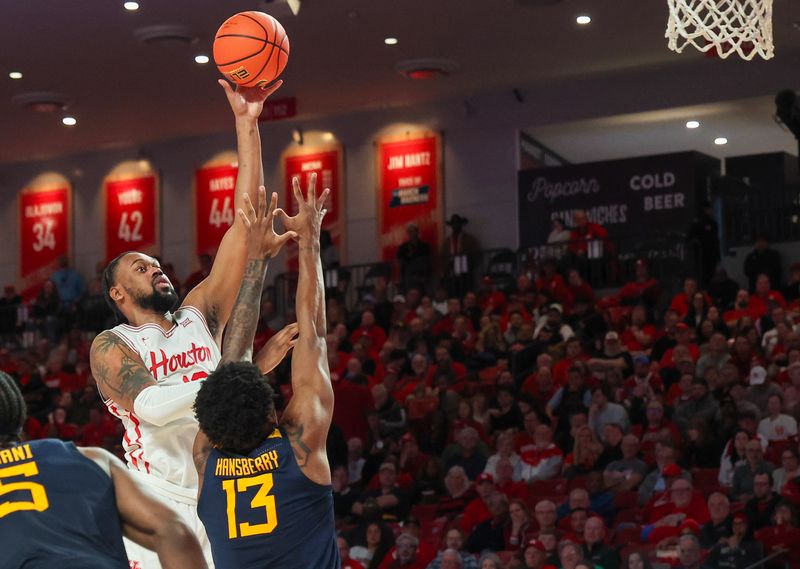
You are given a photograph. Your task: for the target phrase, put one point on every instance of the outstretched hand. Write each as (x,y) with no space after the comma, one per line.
(311,209)
(248,102)
(276,348)
(262,241)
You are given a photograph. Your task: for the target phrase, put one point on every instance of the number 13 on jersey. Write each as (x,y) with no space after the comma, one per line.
(262,499)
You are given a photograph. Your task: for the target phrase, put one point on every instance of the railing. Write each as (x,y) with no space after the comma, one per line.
(743,225)
(604,264)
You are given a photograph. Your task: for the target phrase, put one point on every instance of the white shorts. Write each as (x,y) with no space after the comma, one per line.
(142,558)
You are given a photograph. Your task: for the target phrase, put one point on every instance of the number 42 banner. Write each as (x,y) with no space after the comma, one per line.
(132,215)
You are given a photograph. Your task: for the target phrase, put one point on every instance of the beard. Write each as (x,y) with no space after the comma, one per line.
(157,301)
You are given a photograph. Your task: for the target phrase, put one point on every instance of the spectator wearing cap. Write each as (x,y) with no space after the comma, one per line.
(391,500)
(760,507)
(454,542)
(791,292)
(477,511)
(612,356)
(468,452)
(656,483)
(603,411)
(737,550)
(719,527)
(543,459)
(552,329)
(700,406)
(761,388)
(594,546)
(625,474)
(534,555)
(643,289)
(490,534)
(744,476)
(777,426)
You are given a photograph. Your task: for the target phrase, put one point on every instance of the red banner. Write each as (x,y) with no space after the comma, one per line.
(131,216)
(279,109)
(214,206)
(409,191)
(44,222)
(326,164)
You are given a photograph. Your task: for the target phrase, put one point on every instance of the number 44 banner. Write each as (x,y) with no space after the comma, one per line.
(214,209)
(132,215)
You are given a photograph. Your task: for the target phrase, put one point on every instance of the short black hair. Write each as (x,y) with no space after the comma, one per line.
(235,406)
(12,409)
(109,280)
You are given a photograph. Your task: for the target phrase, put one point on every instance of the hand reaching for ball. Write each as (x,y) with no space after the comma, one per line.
(248,102)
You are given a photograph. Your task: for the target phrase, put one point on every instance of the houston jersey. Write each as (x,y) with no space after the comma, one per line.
(261,512)
(186,353)
(57,509)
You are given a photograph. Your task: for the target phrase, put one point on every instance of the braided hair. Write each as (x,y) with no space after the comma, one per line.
(12,410)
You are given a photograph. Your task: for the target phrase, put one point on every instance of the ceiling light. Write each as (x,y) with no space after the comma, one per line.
(69,121)
(693,124)
(15,75)
(297,136)
(131,6)
(720,141)
(327,136)
(390,41)
(201,59)
(583,19)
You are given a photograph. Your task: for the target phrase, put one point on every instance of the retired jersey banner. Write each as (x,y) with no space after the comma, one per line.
(45,217)
(131,216)
(214,206)
(327,164)
(409,190)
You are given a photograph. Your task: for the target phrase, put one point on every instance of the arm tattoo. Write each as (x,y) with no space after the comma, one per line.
(238,344)
(212,319)
(301,450)
(132,376)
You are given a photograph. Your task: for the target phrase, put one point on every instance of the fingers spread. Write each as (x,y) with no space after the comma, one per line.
(248,204)
(298,195)
(262,202)
(312,189)
(244,218)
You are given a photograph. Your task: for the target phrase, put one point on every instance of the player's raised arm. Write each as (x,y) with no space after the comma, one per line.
(308,416)
(122,377)
(215,296)
(146,520)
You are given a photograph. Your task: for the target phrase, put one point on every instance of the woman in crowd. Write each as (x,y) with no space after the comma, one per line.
(637,560)
(518,531)
(789,470)
(733,456)
(585,452)
(371,544)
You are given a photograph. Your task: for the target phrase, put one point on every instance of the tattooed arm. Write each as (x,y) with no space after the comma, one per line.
(122,377)
(308,415)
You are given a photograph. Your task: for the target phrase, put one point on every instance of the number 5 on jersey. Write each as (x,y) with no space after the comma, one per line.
(262,499)
(38,501)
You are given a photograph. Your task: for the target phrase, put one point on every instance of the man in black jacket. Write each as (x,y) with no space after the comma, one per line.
(763,259)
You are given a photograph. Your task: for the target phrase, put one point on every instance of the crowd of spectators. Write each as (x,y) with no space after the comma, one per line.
(542,424)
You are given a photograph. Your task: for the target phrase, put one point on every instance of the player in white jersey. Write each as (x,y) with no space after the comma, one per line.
(149,370)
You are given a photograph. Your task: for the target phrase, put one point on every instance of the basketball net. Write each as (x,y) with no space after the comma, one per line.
(726,26)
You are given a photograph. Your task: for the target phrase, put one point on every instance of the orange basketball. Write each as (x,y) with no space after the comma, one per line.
(251,49)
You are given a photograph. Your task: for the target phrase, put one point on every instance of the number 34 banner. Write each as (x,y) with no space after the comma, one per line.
(214,210)
(131,215)
(44,224)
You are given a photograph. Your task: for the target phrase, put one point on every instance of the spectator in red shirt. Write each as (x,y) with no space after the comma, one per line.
(445,365)
(573,353)
(540,385)
(743,307)
(681,301)
(683,337)
(369,328)
(584,232)
(406,555)
(504,481)
(344,555)
(578,291)
(657,429)
(524,293)
(446,324)
(489,298)
(349,396)
(552,283)
(99,428)
(640,335)
(477,510)
(412,460)
(681,502)
(766,297)
(643,289)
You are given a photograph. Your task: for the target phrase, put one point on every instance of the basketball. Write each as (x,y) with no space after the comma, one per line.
(251,49)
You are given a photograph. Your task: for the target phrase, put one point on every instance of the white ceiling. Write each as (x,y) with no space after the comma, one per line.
(748,125)
(125,93)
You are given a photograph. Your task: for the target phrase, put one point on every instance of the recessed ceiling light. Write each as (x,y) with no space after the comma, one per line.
(583,19)
(327,136)
(201,59)
(131,6)
(720,141)
(693,124)
(15,75)
(390,41)
(69,121)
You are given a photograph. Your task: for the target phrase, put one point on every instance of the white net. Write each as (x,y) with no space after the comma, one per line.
(727,26)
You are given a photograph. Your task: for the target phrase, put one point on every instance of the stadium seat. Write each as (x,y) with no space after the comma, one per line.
(547,488)
(626,500)
(628,535)
(424,512)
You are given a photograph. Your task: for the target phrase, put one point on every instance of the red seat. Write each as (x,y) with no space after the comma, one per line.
(424,512)
(547,487)
(629,515)
(421,408)
(704,477)
(626,500)
(628,535)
